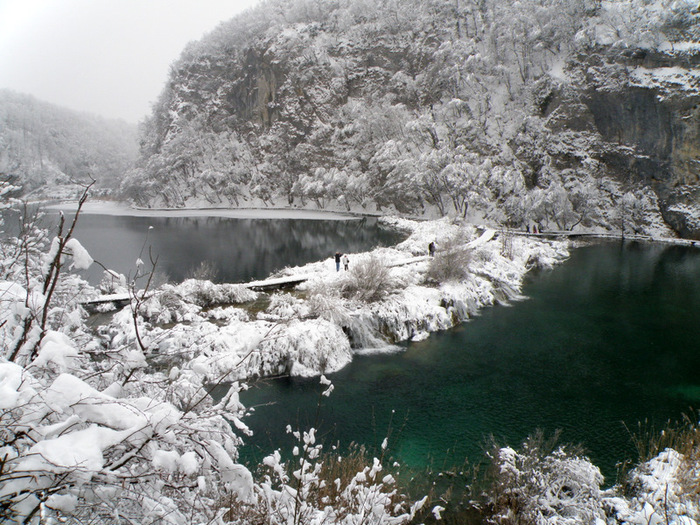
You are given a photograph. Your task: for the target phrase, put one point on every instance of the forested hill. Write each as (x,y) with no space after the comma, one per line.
(557,112)
(44,148)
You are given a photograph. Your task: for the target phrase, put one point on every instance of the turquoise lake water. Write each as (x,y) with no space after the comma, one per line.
(604,341)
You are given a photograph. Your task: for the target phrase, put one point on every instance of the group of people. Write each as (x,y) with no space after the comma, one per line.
(343,257)
(340,257)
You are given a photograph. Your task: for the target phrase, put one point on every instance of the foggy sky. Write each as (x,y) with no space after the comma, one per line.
(106,57)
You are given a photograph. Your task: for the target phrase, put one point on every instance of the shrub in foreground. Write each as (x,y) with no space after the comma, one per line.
(320,488)
(450,263)
(543,484)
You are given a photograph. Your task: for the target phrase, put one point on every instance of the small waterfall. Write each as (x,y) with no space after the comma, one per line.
(363,333)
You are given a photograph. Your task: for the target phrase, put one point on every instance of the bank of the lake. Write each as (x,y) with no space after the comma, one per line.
(235,249)
(320,326)
(601,342)
(198,333)
(543,362)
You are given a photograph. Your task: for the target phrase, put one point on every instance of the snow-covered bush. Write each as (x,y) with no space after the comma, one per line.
(665,486)
(86,433)
(284,306)
(450,263)
(317,488)
(663,490)
(206,293)
(369,280)
(325,301)
(206,271)
(543,485)
(70,449)
(113,282)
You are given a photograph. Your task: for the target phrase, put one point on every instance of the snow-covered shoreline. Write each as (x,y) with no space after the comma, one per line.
(118,208)
(315,330)
(101,419)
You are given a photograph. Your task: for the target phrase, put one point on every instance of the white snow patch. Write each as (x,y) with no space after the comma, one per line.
(81,257)
(58,349)
(113,208)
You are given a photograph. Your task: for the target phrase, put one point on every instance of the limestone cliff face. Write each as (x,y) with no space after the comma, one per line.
(645,108)
(419,107)
(241,85)
(253,96)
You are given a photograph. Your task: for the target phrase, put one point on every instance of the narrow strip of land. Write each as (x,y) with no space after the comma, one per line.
(277,283)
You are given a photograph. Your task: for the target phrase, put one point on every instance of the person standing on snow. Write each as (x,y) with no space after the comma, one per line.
(346,262)
(337,261)
(431,249)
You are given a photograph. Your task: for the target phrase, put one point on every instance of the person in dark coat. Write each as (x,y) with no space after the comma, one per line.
(337,261)
(431,249)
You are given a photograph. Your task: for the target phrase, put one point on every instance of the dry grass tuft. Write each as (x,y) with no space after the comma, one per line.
(451,262)
(682,436)
(369,280)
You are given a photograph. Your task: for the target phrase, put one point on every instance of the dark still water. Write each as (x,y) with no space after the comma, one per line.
(609,337)
(240,250)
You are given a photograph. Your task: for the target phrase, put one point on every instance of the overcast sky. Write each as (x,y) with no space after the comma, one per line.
(107,57)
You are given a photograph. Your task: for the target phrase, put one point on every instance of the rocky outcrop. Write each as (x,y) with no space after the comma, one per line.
(563,121)
(644,108)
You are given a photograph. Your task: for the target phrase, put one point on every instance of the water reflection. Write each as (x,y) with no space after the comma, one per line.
(239,249)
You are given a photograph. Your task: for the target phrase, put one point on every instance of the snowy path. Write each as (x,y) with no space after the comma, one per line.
(122,299)
(483,239)
(604,235)
(276,283)
(279,282)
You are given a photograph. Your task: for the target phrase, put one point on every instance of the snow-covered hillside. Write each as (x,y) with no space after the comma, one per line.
(48,152)
(529,112)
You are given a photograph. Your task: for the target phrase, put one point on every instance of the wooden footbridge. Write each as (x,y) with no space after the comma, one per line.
(120,300)
(277,283)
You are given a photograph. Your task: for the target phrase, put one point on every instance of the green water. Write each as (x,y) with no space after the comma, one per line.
(602,342)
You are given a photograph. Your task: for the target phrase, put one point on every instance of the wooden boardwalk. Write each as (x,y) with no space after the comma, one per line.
(120,300)
(602,235)
(277,283)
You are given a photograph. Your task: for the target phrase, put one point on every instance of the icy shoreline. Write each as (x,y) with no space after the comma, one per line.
(230,331)
(118,208)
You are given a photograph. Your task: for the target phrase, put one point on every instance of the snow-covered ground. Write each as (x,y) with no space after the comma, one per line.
(119,208)
(564,487)
(318,327)
(99,426)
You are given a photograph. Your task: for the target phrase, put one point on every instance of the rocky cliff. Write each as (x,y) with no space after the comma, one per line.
(645,108)
(563,113)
